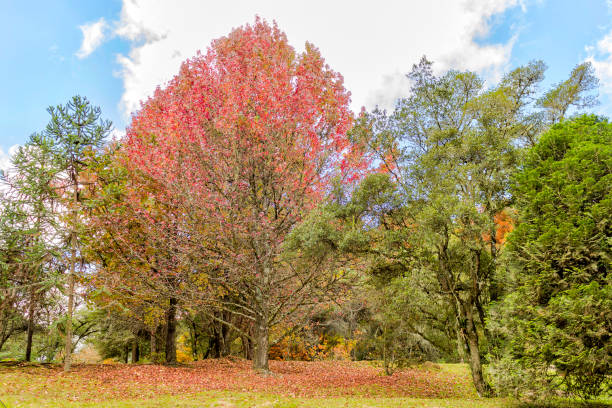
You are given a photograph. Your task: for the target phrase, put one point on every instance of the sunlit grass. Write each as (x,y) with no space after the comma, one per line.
(98,386)
(226,399)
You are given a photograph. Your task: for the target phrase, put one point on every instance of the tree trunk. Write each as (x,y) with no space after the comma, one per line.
(73,244)
(127,354)
(30,335)
(224,335)
(68,349)
(471,337)
(153,346)
(193,332)
(160,340)
(465,316)
(171,333)
(220,339)
(135,351)
(247,348)
(214,345)
(209,348)
(260,358)
(6,323)
(3,339)
(460,346)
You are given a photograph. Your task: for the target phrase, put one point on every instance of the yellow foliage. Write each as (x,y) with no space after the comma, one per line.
(184,354)
(295,347)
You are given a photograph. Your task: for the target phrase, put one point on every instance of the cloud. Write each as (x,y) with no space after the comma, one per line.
(600,56)
(373,46)
(116,134)
(93,36)
(5,158)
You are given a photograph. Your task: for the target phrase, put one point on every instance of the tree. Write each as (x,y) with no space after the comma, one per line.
(242,144)
(30,228)
(11,288)
(555,320)
(450,149)
(571,92)
(401,323)
(35,199)
(73,134)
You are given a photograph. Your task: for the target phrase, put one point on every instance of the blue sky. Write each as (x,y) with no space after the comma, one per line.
(555,31)
(39,67)
(142,44)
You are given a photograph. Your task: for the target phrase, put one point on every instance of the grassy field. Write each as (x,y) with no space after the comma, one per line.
(230,383)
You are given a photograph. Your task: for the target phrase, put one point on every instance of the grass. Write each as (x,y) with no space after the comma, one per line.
(231,384)
(226,399)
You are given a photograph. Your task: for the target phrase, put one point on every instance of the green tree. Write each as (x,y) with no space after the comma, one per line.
(556,322)
(450,149)
(29,229)
(126,258)
(11,240)
(574,91)
(34,197)
(74,133)
(404,322)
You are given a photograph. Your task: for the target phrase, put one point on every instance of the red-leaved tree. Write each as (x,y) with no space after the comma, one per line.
(241,145)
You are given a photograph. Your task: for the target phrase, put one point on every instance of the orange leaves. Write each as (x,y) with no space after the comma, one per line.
(504,224)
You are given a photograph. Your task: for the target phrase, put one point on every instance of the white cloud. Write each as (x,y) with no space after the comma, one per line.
(5,158)
(116,134)
(372,44)
(93,36)
(600,56)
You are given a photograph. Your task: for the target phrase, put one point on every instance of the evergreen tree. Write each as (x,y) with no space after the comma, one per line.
(556,321)
(73,135)
(34,203)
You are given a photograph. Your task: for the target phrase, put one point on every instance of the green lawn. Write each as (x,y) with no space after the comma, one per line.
(227,399)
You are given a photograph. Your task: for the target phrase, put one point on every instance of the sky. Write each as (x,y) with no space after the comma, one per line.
(116,52)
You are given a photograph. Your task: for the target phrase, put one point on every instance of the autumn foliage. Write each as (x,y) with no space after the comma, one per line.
(236,149)
(504,224)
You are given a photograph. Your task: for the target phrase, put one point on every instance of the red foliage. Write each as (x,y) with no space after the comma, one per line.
(238,147)
(248,117)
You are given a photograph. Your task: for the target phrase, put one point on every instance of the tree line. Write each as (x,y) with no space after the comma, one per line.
(248,211)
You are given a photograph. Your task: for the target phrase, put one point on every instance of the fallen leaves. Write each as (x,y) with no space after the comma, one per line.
(289,378)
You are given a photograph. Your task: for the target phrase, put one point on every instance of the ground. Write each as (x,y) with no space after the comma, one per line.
(231,383)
